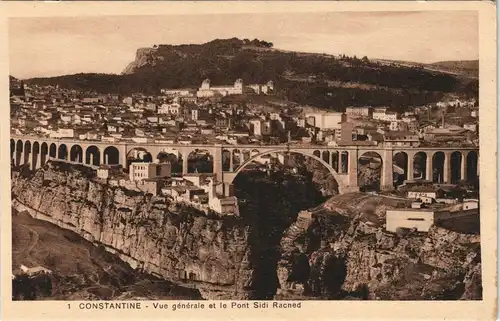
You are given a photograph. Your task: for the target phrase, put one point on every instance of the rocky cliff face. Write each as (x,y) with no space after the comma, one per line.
(340,250)
(143,57)
(173,242)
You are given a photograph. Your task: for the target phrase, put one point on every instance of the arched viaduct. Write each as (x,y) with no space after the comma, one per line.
(342,162)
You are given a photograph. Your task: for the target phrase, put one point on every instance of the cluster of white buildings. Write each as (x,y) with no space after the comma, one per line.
(238,88)
(208,90)
(422,214)
(197,190)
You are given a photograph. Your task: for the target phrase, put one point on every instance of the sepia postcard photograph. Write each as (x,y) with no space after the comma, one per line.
(214,161)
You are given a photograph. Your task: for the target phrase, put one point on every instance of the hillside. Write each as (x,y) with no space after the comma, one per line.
(314,79)
(460,68)
(466,67)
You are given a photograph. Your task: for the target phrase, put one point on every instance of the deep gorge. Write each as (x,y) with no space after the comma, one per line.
(341,251)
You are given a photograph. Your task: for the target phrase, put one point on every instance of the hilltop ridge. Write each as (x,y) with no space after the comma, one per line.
(320,80)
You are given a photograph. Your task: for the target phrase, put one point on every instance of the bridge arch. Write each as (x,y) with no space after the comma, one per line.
(335,160)
(344,162)
(226,160)
(246,155)
(326,156)
(438,165)
(200,161)
(76,154)
(27,153)
(138,154)
(53,150)
(19,152)
(12,149)
(456,167)
(278,151)
(370,166)
(92,155)
(111,155)
(44,151)
(173,156)
(471,162)
(420,166)
(237,158)
(400,167)
(35,152)
(62,152)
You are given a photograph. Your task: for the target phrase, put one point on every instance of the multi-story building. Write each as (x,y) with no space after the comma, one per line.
(359,111)
(139,171)
(325,120)
(255,125)
(379,113)
(207,90)
(182,92)
(401,139)
(171,109)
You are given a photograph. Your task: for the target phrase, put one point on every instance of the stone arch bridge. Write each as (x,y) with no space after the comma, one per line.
(342,162)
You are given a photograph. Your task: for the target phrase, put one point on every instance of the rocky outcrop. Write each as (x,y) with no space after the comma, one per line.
(151,234)
(345,252)
(143,57)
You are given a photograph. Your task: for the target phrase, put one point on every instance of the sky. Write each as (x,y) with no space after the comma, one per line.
(53,46)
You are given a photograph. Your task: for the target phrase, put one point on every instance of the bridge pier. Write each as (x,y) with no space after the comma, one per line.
(36,161)
(185,164)
(123,156)
(386,181)
(409,173)
(228,189)
(446,168)
(217,154)
(352,172)
(20,160)
(428,167)
(102,158)
(43,159)
(340,163)
(231,161)
(463,167)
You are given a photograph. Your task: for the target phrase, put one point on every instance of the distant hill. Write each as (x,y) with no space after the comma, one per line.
(320,80)
(16,86)
(464,67)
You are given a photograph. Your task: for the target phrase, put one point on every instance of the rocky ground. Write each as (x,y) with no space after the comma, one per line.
(344,252)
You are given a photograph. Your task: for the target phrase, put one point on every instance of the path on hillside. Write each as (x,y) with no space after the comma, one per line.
(34,241)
